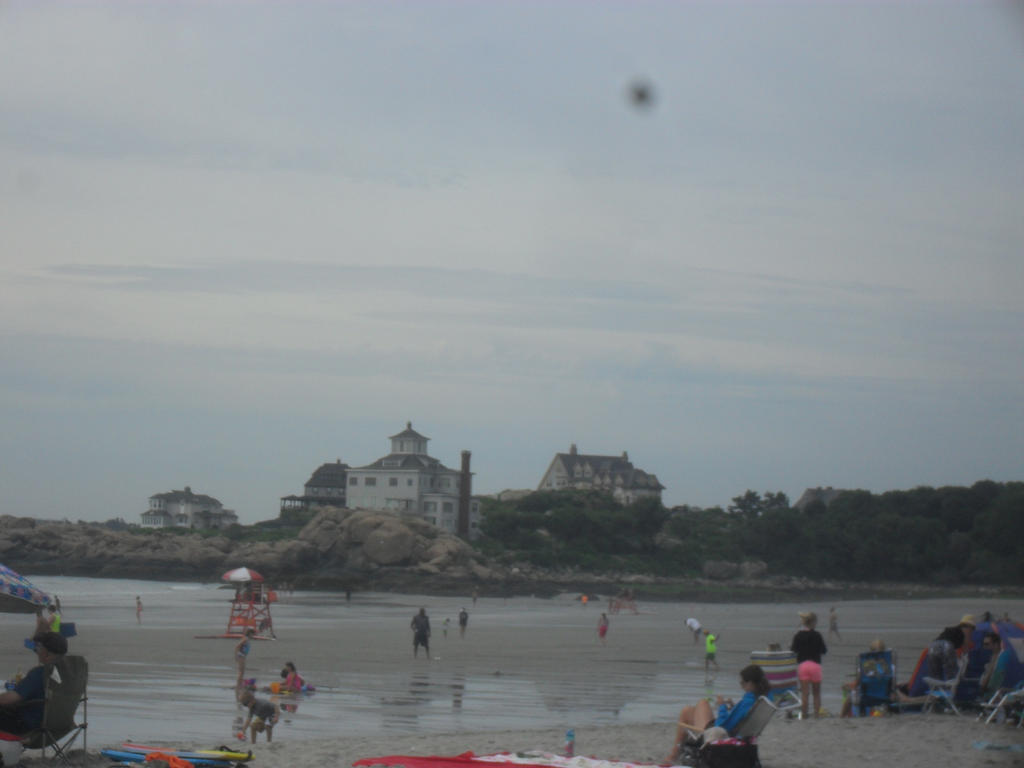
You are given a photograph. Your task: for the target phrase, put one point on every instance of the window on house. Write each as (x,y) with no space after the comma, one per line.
(370,481)
(392,481)
(447,507)
(409,481)
(353,481)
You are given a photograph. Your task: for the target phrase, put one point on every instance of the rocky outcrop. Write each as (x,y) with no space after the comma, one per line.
(338,548)
(361,549)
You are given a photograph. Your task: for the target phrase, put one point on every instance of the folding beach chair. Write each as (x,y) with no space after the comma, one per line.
(66,681)
(741,746)
(876,678)
(1003,705)
(756,720)
(944,691)
(780,669)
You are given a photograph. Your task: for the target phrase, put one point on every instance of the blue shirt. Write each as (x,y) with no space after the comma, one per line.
(32,687)
(731,717)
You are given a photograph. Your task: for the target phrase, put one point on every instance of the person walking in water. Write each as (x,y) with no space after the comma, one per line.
(420,626)
(463,621)
(138,609)
(602,628)
(833,624)
(710,650)
(242,653)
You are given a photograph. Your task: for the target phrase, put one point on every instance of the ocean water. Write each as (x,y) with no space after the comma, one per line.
(523,663)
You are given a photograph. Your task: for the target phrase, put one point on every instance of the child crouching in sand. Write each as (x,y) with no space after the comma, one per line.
(262,715)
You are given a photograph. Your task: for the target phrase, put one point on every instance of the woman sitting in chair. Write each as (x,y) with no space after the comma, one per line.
(698,718)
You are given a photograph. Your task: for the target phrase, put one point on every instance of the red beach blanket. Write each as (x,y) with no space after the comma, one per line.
(498,760)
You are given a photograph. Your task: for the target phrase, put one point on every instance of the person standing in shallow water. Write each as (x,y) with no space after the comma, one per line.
(420,626)
(463,621)
(710,651)
(242,654)
(833,624)
(138,609)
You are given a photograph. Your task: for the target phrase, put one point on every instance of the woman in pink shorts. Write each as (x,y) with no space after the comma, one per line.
(809,646)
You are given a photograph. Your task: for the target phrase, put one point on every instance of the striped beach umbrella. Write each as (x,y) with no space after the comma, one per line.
(18,594)
(242,574)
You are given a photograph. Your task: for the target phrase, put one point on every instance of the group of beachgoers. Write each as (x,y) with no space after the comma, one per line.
(420,626)
(700,723)
(262,714)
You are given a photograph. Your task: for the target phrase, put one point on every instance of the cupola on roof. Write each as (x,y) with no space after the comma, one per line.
(409,432)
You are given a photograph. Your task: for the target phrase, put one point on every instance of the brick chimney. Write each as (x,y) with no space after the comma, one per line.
(465,491)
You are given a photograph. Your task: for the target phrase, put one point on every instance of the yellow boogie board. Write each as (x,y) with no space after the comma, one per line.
(213,754)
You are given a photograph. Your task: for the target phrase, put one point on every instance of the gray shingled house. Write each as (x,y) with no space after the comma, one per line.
(187,510)
(613,474)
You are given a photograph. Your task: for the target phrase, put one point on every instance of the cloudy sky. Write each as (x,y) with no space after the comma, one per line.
(239,239)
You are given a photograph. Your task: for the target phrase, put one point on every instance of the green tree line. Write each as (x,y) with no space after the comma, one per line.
(939,535)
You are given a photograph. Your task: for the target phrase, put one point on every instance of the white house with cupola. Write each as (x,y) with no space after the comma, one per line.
(411,482)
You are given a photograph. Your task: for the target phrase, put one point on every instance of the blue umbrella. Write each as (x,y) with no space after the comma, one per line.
(18,594)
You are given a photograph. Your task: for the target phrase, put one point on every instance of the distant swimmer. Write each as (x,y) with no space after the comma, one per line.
(420,626)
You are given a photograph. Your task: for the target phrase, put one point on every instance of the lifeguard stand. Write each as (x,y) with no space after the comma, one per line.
(250,609)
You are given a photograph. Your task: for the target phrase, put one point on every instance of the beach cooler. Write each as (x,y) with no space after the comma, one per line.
(10,749)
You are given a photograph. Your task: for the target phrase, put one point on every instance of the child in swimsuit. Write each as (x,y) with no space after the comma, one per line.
(241,652)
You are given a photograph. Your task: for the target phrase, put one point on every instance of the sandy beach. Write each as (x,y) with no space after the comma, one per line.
(526,670)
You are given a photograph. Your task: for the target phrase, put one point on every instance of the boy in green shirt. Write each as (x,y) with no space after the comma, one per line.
(710,649)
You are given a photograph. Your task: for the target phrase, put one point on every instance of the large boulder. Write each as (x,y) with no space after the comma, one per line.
(389,543)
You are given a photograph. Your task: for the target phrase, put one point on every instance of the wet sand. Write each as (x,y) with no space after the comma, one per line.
(525,671)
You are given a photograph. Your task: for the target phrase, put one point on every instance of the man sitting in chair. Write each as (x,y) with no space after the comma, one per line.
(21,710)
(995,671)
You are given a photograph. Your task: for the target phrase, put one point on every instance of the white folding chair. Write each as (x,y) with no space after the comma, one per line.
(944,691)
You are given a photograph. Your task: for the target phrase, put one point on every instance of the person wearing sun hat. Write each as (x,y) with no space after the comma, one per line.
(943,650)
(21,710)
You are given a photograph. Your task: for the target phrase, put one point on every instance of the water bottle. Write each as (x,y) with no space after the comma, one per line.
(570,742)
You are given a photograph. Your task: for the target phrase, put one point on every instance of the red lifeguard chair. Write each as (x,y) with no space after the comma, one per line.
(250,607)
